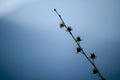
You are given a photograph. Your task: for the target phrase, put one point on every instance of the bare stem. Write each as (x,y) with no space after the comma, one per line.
(82,51)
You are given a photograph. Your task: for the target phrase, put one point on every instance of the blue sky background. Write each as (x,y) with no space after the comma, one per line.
(33,47)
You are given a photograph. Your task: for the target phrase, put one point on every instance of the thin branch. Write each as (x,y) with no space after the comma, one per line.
(79,49)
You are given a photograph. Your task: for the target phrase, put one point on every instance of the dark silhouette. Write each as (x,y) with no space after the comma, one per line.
(79,39)
(95,71)
(92,56)
(61,25)
(79,49)
(69,28)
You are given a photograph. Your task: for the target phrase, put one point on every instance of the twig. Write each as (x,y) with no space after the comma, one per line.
(79,49)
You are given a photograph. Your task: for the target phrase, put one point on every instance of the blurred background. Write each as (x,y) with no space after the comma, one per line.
(33,47)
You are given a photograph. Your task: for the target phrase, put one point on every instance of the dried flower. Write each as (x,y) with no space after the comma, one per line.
(69,28)
(62,25)
(79,49)
(95,71)
(78,39)
(92,56)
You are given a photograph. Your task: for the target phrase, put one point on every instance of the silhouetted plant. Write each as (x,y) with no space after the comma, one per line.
(79,49)
(61,25)
(95,71)
(78,39)
(92,56)
(69,28)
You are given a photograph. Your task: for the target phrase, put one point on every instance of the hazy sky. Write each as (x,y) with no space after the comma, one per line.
(33,47)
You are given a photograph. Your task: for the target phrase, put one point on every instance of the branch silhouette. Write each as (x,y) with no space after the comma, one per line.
(79,48)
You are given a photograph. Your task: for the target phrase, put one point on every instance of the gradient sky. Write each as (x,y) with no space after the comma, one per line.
(33,47)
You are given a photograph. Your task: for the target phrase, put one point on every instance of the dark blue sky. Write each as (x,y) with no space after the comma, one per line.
(33,47)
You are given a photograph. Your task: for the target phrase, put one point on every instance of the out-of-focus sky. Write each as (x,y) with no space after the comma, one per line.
(33,47)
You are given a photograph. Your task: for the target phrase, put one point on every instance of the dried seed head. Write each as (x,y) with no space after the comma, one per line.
(92,56)
(62,25)
(95,71)
(69,29)
(79,49)
(78,39)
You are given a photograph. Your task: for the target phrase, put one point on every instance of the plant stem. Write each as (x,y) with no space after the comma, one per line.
(82,51)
